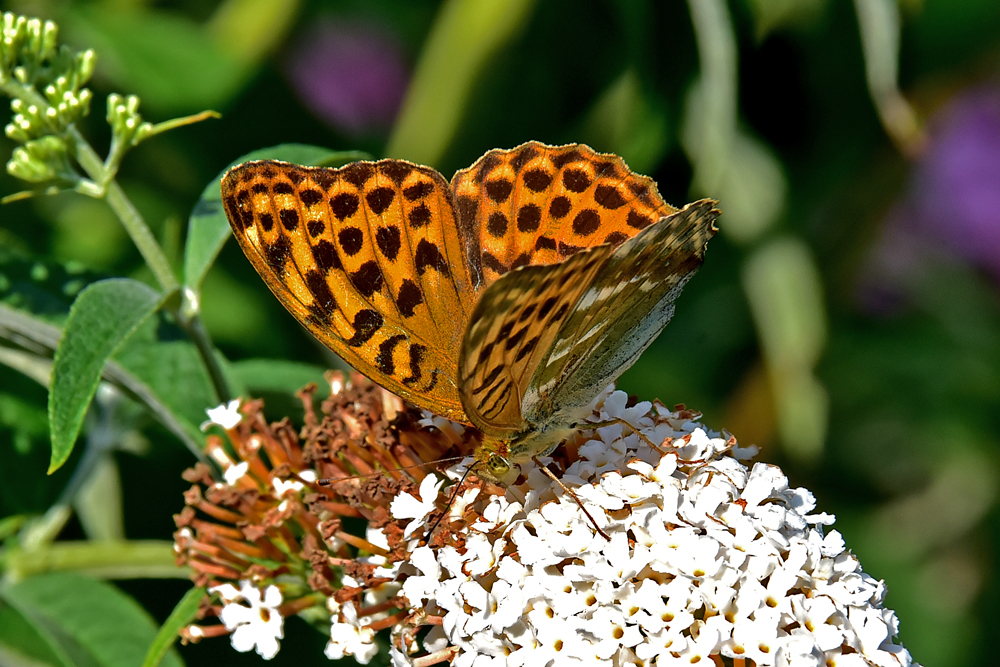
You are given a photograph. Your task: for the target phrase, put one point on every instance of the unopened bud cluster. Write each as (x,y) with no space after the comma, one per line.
(125,120)
(46,83)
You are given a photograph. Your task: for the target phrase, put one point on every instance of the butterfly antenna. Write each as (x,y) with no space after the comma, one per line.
(572,495)
(447,508)
(326,481)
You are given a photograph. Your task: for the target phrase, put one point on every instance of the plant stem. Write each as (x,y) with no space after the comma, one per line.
(144,240)
(130,217)
(195,328)
(111,559)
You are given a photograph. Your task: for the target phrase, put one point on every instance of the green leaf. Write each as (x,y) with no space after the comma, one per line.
(159,356)
(23,645)
(276,375)
(82,621)
(17,326)
(103,316)
(208,228)
(183,613)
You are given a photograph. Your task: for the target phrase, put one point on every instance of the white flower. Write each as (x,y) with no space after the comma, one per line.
(227,416)
(349,637)
(282,487)
(258,624)
(233,473)
(405,506)
(707,558)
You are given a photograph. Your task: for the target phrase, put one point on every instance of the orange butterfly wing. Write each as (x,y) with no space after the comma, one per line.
(370,259)
(538,204)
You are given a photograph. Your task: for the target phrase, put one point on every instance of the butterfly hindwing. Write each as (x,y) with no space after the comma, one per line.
(367,258)
(621,312)
(512,328)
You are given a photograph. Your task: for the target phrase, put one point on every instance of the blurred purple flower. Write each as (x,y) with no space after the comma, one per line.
(952,204)
(350,74)
(956,187)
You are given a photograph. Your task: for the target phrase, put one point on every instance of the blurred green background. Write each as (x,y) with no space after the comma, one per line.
(846,319)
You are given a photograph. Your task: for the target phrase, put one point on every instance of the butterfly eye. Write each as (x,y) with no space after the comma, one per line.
(498,465)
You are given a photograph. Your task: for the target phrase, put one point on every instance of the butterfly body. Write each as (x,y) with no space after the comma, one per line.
(508,299)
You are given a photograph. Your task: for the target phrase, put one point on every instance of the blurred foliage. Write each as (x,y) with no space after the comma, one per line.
(847,320)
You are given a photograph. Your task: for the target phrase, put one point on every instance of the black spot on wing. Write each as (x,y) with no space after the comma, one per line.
(351,240)
(389,241)
(576,180)
(358,173)
(289,218)
(529,217)
(416,356)
(428,256)
(367,279)
(494,264)
(315,227)
(637,220)
(559,207)
(586,222)
(545,243)
(561,161)
(366,323)
(277,253)
(523,157)
(320,290)
(344,205)
(537,179)
(397,171)
(499,189)
(409,298)
(608,197)
(497,224)
(419,216)
(384,359)
(418,190)
(310,197)
(326,256)
(380,199)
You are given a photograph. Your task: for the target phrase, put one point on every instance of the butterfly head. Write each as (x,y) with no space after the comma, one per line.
(499,459)
(493,463)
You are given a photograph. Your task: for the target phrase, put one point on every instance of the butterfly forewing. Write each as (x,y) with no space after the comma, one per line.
(620,313)
(512,328)
(538,204)
(370,259)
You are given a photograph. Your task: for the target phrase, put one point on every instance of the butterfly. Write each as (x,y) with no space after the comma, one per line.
(508,299)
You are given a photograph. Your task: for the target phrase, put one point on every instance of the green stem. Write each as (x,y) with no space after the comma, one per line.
(112,559)
(143,238)
(195,329)
(130,217)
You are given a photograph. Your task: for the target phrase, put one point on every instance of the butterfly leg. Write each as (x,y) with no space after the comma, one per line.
(593,426)
(573,495)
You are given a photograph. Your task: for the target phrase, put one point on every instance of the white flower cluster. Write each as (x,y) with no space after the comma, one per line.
(706,558)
